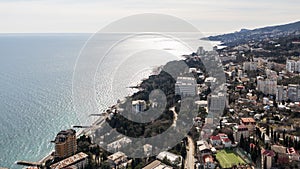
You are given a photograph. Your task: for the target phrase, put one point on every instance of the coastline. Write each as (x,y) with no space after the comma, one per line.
(100,119)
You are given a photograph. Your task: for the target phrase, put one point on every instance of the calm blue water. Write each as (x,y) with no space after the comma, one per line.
(36,92)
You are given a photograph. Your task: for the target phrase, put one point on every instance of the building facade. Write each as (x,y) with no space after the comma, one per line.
(267,86)
(250,66)
(217,102)
(138,106)
(186,86)
(65,143)
(293,66)
(78,161)
(294,92)
(240,130)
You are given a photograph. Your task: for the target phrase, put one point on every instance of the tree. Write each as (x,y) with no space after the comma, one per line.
(105,165)
(275,137)
(272,132)
(242,141)
(284,138)
(221,124)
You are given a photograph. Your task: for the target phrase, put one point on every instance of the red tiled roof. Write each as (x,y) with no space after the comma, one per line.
(208,158)
(268,153)
(226,140)
(215,138)
(242,126)
(248,120)
(252,145)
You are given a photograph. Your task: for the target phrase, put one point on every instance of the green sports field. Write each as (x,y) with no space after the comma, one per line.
(228,158)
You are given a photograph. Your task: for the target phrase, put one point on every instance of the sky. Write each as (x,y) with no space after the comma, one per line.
(89,16)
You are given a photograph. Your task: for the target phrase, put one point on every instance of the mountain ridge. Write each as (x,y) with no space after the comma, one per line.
(246,35)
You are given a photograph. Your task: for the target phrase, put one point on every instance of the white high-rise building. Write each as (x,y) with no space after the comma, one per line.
(200,51)
(281,93)
(267,86)
(250,66)
(186,86)
(217,102)
(271,74)
(138,106)
(294,92)
(293,66)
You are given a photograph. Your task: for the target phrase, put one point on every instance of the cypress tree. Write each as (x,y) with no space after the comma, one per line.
(268,131)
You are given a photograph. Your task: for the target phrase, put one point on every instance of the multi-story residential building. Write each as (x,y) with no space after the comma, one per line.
(186,86)
(200,51)
(65,143)
(118,160)
(250,66)
(267,86)
(138,105)
(217,102)
(240,130)
(294,92)
(281,93)
(293,66)
(78,161)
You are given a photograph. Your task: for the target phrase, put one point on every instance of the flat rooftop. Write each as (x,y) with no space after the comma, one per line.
(69,161)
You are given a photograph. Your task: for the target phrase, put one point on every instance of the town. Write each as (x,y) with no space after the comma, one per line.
(249,120)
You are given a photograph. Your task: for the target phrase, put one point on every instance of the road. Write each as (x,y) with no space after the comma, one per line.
(190,159)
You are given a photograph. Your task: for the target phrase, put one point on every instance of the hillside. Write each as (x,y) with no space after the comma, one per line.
(245,35)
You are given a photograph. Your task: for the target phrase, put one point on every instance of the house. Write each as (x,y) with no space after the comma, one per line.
(240,130)
(222,135)
(147,149)
(249,123)
(173,158)
(201,142)
(204,149)
(226,142)
(293,154)
(208,162)
(215,140)
(281,151)
(267,156)
(118,160)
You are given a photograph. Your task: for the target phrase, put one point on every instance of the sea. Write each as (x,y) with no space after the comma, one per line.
(36,85)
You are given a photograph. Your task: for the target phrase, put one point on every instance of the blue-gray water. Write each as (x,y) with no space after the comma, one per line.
(36,92)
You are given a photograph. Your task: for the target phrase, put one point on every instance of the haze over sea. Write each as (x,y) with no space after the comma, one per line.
(36,91)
